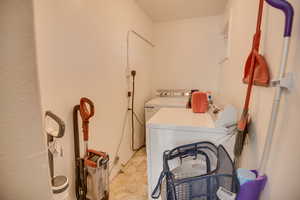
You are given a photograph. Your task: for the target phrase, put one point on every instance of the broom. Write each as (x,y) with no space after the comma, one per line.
(256,59)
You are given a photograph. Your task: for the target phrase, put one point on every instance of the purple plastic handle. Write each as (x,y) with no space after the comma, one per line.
(288,10)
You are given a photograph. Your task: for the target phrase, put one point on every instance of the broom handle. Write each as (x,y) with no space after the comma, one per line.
(259,17)
(255,48)
(275,110)
(250,86)
(288,10)
(256,40)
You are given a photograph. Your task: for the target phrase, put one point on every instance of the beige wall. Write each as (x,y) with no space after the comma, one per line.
(284,159)
(188,53)
(24,172)
(81,48)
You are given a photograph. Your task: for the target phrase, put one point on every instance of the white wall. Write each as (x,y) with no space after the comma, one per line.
(188,53)
(81,48)
(284,159)
(23,156)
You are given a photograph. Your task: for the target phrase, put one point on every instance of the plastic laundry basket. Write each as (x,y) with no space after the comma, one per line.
(196,172)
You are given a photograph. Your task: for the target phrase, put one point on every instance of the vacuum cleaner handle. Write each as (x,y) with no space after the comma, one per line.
(288,10)
(86,113)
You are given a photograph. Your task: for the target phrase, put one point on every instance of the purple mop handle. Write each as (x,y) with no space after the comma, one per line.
(288,10)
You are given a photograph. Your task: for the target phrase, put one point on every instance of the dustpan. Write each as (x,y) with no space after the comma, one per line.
(261,70)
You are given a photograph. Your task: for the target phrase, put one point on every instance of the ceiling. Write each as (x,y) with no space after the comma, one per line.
(167,10)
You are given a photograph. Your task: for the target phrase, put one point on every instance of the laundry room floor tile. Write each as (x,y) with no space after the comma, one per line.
(131,182)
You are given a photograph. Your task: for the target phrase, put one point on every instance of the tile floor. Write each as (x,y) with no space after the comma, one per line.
(131,183)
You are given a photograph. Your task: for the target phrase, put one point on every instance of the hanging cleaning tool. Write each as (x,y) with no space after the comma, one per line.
(255,61)
(261,72)
(92,172)
(55,129)
(251,190)
(284,80)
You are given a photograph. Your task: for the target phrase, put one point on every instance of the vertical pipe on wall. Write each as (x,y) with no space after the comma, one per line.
(133,74)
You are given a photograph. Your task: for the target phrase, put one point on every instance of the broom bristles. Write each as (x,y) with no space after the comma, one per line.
(239,143)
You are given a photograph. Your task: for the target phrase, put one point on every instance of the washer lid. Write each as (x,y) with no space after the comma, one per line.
(168,102)
(183,119)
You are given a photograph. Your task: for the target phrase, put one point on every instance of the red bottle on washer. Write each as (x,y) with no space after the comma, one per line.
(199,102)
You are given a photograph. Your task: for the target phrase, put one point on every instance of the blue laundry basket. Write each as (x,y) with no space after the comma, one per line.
(196,172)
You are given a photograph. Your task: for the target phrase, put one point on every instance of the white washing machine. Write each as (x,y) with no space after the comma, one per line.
(172,127)
(166,99)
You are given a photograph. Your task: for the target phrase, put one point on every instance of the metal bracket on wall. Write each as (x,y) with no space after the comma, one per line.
(286,82)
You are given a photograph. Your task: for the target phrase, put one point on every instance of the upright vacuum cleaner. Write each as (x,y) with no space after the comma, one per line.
(92,173)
